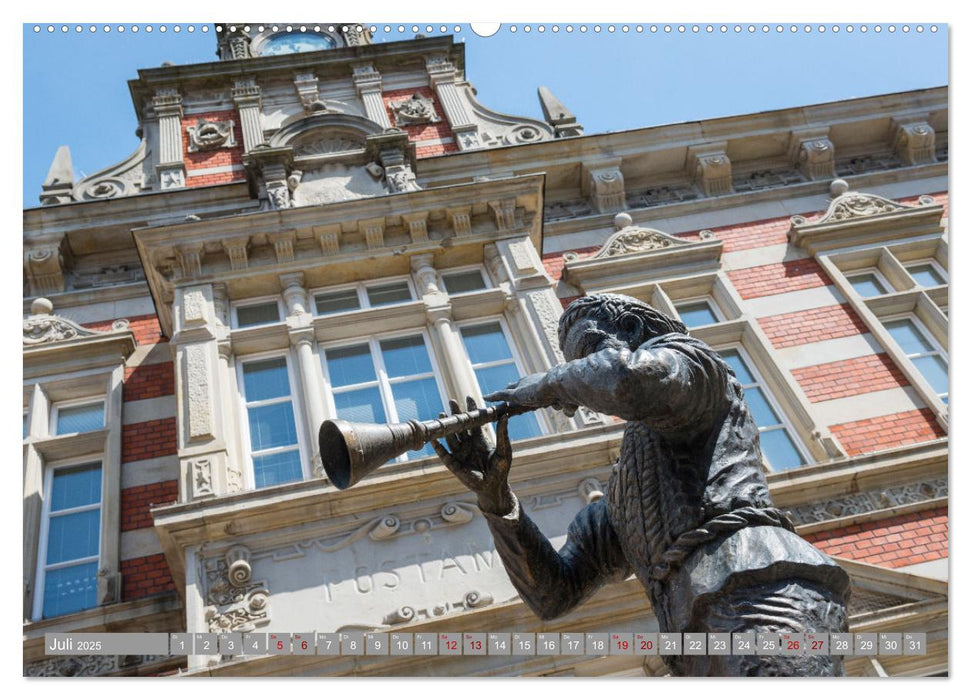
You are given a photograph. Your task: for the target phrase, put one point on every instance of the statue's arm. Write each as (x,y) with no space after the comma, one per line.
(654,383)
(553,583)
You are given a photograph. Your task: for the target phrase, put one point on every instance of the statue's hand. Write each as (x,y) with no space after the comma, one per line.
(533,391)
(483,471)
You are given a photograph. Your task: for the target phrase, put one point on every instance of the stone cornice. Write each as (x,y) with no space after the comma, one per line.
(327,64)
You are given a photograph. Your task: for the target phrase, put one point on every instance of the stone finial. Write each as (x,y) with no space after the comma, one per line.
(59,185)
(556,114)
(623,220)
(41,306)
(838,187)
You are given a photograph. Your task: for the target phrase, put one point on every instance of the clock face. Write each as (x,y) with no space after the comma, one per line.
(296,42)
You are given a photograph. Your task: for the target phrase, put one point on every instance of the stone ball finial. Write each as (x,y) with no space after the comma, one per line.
(838,187)
(623,220)
(41,307)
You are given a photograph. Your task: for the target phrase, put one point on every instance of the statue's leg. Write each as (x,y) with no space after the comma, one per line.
(791,605)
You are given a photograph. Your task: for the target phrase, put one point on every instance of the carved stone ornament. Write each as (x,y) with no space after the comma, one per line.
(711,170)
(235,602)
(634,239)
(130,176)
(817,159)
(855,205)
(914,143)
(43,327)
(209,135)
(328,145)
(415,110)
(860,503)
(606,189)
(73,666)
(407,613)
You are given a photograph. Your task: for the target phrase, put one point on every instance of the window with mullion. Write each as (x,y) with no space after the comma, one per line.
(384,380)
(929,359)
(779,447)
(72,546)
(495,367)
(271,421)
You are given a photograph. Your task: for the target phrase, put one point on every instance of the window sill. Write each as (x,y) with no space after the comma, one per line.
(71,445)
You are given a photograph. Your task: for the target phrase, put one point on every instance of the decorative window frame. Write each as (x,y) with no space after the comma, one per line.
(362,297)
(72,365)
(298,400)
(257,301)
(373,342)
(37,612)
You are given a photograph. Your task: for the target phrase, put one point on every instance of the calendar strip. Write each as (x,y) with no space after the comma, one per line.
(489,644)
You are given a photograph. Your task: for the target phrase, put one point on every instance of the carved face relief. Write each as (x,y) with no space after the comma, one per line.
(416,110)
(335,183)
(210,135)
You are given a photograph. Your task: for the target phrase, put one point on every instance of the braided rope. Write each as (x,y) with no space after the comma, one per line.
(724,524)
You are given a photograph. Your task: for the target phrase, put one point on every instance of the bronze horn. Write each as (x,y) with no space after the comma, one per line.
(350,451)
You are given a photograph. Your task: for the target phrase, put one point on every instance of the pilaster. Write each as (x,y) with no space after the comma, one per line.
(171,165)
(441,76)
(367,81)
(247,96)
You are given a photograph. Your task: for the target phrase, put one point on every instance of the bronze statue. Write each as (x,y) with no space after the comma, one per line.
(687,508)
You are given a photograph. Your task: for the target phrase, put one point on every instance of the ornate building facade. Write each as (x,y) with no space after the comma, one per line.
(318,226)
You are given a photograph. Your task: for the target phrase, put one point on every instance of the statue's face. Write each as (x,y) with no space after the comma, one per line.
(589,335)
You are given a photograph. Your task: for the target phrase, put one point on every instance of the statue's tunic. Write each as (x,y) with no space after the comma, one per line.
(687,508)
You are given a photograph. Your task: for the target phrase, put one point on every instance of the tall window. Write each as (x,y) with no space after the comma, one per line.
(271,421)
(927,356)
(776,437)
(384,380)
(71,541)
(495,368)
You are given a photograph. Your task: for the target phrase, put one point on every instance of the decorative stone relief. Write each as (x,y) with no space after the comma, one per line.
(373,232)
(570,209)
(209,135)
(195,305)
(235,603)
(461,220)
(493,260)
(417,224)
(415,110)
(768,177)
(236,250)
(710,169)
(329,240)
(816,158)
(548,314)
(522,258)
(634,239)
(84,665)
(42,327)
(200,478)
(306,84)
(605,186)
(170,178)
(425,274)
(505,213)
(914,143)
(44,267)
(283,245)
(856,205)
(107,276)
(469,140)
(294,294)
(333,182)
(197,386)
(408,613)
(857,504)
(327,145)
(661,194)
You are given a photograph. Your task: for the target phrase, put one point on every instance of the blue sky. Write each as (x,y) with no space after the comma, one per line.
(76,93)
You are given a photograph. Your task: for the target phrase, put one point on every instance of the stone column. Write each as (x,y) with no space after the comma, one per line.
(171,167)
(441,76)
(367,80)
(109,576)
(33,495)
(246,95)
(460,381)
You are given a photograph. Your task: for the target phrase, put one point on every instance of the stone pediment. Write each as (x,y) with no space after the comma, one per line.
(860,218)
(129,177)
(636,254)
(43,327)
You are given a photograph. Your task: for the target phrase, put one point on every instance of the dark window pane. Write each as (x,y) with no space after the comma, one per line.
(335,302)
(266,379)
(697,314)
(73,536)
(350,365)
(908,337)
(80,419)
(278,468)
(779,450)
(272,426)
(867,285)
(70,589)
(77,486)
(461,282)
(405,356)
(360,406)
(393,293)
(257,313)
(926,275)
(486,343)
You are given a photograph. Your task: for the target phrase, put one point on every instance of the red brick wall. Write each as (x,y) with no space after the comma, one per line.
(146,329)
(899,541)
(145,576)
(859,375)
(778,278)
(418,133)
(751,234)
(812,325)
(149,381)
(137,501)
(884,432)
(220,157)
(148,439)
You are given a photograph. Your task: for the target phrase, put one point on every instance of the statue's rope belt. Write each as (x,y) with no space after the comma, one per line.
(718,526)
